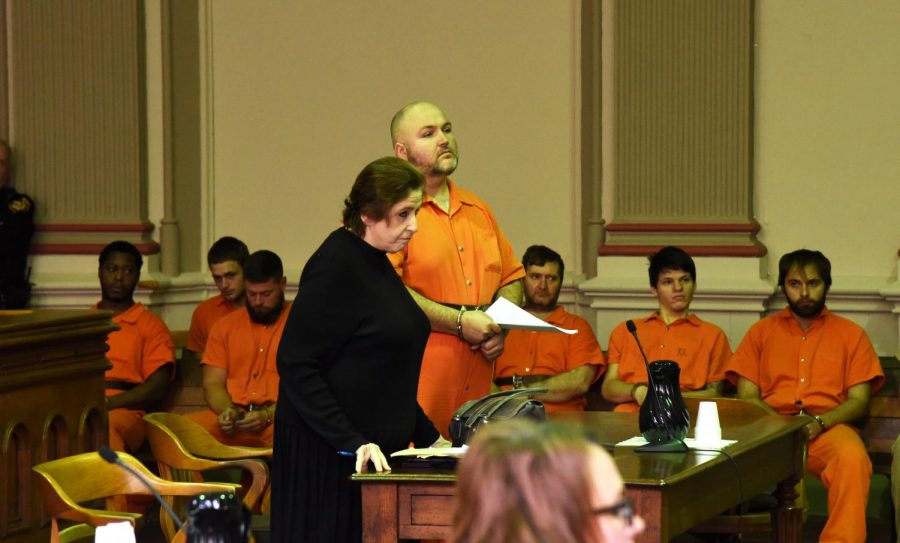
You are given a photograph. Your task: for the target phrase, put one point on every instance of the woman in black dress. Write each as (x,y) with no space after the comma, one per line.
(349,363)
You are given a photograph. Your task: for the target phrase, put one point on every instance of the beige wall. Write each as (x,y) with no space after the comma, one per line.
(828,132)
(297,97)
(307,105)
(304,91)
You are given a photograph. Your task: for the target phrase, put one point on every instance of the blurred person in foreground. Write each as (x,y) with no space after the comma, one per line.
(349,363)
(534,482)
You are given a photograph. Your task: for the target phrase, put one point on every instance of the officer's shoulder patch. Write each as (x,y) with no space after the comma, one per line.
(20,205)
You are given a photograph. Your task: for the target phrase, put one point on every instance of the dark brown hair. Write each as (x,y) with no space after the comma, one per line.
(801,258)
(670,258)
(225,249)
(539,255)
(379,186)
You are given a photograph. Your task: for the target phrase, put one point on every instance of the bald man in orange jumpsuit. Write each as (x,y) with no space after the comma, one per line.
(809,362)
(456,265)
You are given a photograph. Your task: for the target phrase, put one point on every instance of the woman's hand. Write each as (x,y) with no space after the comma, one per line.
(371,452)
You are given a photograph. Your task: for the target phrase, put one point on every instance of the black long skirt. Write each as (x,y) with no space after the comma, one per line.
(313,499)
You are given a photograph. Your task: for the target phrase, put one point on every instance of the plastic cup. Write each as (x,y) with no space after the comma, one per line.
(707,428)
(116,532)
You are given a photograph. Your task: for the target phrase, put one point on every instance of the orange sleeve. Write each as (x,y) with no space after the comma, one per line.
(140,346)
(216,352)
(864,364)
(584,348)
(745,361)
(158,348)
(196,340)
(623,351)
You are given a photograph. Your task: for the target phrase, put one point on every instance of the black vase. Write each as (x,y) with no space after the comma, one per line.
(664,417)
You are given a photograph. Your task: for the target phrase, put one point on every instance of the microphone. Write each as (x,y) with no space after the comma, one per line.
(671,444)
(113,458)
(632,329)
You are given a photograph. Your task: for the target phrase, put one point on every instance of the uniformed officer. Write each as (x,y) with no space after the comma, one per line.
(16,228)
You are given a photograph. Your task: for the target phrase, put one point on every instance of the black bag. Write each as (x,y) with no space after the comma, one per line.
(494,407)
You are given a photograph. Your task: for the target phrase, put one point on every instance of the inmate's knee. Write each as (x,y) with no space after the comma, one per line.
(857,457)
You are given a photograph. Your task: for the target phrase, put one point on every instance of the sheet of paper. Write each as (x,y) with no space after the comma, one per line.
(509,315)
(691,443)
(450,452)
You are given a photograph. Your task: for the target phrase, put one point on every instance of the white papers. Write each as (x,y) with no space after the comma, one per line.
(449,452)
(691,443)
(509,315)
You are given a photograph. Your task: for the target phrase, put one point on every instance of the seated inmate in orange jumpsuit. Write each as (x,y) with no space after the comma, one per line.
(246,350)
(141,346)
(206,314)
(528,353)
(812,371)
(700,349)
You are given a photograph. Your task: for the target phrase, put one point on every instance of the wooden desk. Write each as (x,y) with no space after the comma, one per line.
(672,491)
(51,404)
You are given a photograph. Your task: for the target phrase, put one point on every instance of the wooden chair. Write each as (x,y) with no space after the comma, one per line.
(66,483)
(184,450)
(751,520)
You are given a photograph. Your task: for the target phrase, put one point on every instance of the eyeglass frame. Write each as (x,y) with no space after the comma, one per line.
(624,509)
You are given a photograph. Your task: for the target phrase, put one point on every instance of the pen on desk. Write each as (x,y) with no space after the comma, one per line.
(349,454)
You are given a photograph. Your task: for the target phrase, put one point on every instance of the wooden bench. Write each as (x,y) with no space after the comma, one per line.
(882,426)
(186,393)
(879,431)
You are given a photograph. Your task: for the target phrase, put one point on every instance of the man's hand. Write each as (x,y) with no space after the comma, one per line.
(253,423)
(640,393)
(478,327)
(491,348)
(228,419)
(813,428)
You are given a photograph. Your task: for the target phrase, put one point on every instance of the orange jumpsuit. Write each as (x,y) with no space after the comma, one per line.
(205,315)
(461,258)
(141,346)
(812,371)
(548,353)
(246,350)
(700,349)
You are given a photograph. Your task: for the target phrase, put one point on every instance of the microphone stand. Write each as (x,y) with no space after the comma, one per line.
(110,456)
(671,444)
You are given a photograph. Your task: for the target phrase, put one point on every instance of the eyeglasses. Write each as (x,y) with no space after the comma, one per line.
(624,509)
